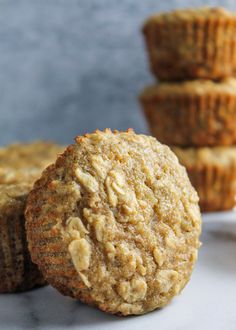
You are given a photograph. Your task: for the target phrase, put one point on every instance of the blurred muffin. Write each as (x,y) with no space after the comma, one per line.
(24,162)
(192,113)
(20,165)
(115,222)
(192,43)
(17,272)
(212,172)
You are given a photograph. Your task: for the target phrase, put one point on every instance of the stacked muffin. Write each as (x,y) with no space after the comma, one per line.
(193,108)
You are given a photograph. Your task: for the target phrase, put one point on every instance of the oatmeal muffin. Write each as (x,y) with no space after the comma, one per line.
(115,223)
(24,162)
(192,43)
(192,113)
(20,165)
(17,272)
(212,172)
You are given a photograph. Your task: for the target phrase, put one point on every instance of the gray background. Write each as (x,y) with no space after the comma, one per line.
(70,66)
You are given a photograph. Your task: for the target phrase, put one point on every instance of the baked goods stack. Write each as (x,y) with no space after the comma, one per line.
(192,108)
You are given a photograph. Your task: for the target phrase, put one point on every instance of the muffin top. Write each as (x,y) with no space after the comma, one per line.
(25,162)
(191,14)
(115,222)
(13,198)
(222,156)
(191,87)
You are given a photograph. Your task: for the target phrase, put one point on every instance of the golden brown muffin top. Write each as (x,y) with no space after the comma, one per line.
(21,162)
(191,14)
(194,87)
(120,219)
(222,156)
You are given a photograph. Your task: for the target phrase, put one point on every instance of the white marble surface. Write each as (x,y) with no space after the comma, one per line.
(207,303)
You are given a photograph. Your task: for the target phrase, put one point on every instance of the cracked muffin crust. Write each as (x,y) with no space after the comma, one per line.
(203,110)
(212,172)
(192,43)
(20,165)
(115,222)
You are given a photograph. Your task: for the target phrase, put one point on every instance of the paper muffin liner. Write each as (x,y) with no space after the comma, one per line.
(17,272)
(216,187)
(215,184)
(192,120)
(187,49)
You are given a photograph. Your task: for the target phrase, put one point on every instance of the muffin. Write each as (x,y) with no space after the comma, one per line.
(115,223)
(192,113)
(212,172)
(20,165)
(192,43)
(17,272)
(24,162)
